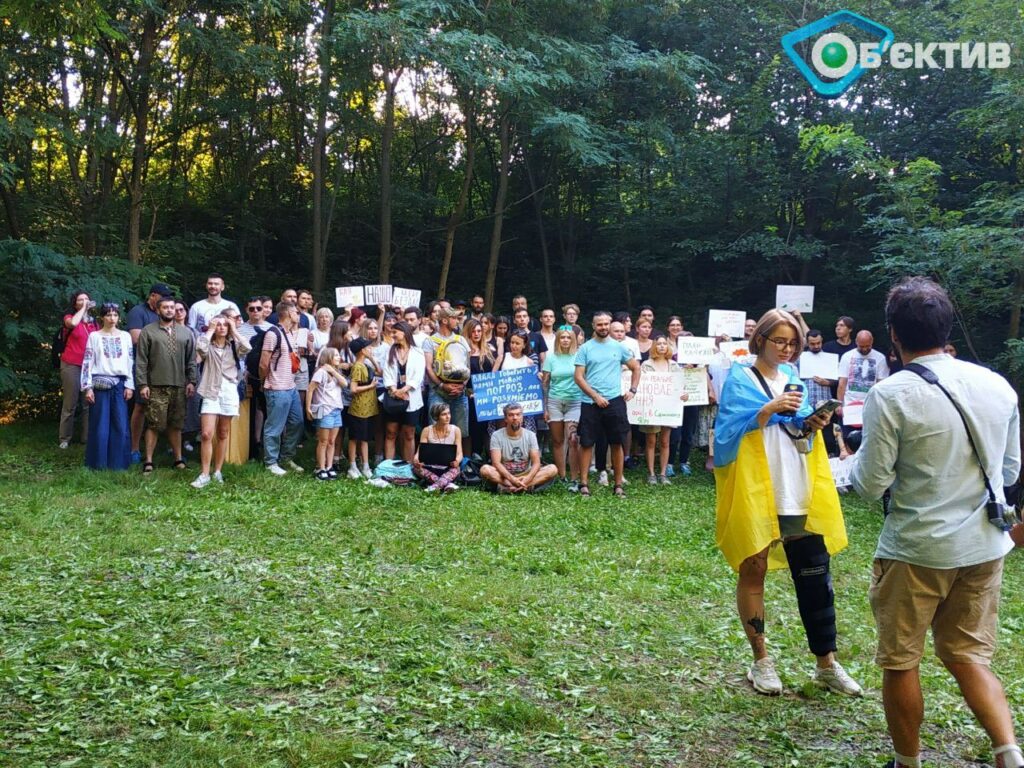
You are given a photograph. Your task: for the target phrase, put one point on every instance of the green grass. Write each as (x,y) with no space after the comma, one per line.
(281,622)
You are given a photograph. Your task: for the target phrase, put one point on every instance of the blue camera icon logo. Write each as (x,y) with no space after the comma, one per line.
(834,55)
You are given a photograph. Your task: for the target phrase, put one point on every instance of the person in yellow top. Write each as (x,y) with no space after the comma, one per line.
(774,486)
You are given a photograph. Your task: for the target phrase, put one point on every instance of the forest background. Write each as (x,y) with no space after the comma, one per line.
(606,153)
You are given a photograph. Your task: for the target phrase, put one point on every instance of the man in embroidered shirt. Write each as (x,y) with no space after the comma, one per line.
(939,560)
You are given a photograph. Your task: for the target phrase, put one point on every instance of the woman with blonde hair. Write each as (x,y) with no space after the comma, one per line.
(776,500)
(660,360)
(562,404)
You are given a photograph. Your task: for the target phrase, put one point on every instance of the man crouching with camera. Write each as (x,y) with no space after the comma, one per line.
(944,435)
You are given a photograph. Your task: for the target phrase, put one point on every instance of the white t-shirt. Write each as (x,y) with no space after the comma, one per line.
(328,394)
(790,474)
(633,346)
(510,363)
(200,313)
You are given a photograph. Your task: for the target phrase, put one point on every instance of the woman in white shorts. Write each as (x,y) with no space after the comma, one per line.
(223,351)
(562,404)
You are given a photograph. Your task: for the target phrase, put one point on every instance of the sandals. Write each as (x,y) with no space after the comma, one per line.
(619,491)
(584,491)
(180,464)
(147,467)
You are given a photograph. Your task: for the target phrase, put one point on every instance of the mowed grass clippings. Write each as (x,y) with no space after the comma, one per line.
(286,622)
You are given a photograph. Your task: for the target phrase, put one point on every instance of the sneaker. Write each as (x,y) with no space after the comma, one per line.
(451,488)
(63,445)
(684,470)
(332,474)
(432,488)
(574,487)
(293,466)
(835,677)
(652,480)
(764,678)
(670,471)
(321,474)
(136,457)
(201,482)
(219,477)
(367,472)
(379,482)
(602,478)
(664,480)
(353,473)
(189,448)
(275,469)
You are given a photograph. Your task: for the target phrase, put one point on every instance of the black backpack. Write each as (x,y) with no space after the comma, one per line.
(57,344)
(252,357)
(470,474)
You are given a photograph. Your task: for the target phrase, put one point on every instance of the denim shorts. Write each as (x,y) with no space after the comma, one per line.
(563,410)
(331,421)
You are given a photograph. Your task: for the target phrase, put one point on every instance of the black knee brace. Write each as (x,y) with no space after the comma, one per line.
(809,565)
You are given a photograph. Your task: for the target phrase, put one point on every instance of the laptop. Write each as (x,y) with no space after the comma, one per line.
(437,454)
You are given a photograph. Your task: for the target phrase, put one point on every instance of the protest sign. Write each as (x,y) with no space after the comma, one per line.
(853,413)
(377,294)
(822,364)
(349,296)
(736,352)
(695,350)
(727,321)
(841,469)
(798,297)
(656,402)
(695,384)
(406,297)
(491,391)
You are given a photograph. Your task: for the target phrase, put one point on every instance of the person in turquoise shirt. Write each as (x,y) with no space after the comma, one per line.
(562,403)
(598,375)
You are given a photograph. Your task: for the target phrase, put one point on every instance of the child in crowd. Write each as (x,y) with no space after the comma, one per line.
(323,405)
(363,409)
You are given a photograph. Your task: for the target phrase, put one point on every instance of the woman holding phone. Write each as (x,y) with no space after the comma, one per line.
(777,503)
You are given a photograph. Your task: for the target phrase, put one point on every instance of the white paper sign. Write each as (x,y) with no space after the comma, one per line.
(727,321)
(841,469)
(377,294)
(695,384)
(798,297)
(657,400)
(853,413)
(823,364)
(406,297)
(695,350)
(736,352)
(349,296)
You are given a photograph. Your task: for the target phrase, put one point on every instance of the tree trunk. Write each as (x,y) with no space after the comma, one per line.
(319,159)
(538,211)
(460,208)
(386,144)
(139,149)
(504,161)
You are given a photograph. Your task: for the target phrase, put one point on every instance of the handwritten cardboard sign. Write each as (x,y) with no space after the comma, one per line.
(492,391)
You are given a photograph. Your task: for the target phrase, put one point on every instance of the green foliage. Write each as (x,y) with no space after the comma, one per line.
(34,295)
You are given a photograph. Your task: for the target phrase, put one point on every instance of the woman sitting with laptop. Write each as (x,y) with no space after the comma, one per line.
(438,459)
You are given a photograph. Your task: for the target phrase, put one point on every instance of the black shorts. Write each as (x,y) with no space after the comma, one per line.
(359,428)
(611,422)
(405,418)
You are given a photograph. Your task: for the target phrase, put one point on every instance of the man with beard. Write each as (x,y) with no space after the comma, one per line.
(200,313)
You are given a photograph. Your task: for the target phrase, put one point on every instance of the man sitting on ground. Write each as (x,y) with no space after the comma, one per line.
(515,457)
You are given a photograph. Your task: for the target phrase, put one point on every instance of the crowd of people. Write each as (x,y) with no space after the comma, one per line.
(400,384)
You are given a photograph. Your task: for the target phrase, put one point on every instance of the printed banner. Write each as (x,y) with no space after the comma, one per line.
(377,294)
(695,384)
(736,352)
(491,391)
(349,296)
(727,321)
(656,402)
(406,297)
(695,350)
(798,297)
(823,364)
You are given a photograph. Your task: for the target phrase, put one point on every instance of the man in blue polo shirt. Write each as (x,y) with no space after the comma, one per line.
(599,376)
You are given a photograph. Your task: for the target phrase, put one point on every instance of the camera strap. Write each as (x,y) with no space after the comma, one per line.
(929,375)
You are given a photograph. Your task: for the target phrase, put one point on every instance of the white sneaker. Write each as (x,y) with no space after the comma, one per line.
(379,482)
(367,472)
(63,445)
(354,473)
(293,466)
(277,470)
(764,678)
(602,478)
(201,482)
(836,678)
(218,477)
(451,488)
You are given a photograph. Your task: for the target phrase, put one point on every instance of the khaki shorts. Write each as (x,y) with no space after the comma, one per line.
(961,605)
(166,408)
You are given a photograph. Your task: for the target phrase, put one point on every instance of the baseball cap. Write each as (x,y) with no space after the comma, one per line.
(358,345)
(450,312)
(162,288)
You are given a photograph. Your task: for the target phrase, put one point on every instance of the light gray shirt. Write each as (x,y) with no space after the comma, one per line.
(915,443)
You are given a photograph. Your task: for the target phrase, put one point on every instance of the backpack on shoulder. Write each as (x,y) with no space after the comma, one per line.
(57,344)
(451,359)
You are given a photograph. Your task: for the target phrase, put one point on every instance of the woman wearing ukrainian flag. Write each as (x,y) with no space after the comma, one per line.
(776,500)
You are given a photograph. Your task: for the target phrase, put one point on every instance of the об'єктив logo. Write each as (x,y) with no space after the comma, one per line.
(837,62)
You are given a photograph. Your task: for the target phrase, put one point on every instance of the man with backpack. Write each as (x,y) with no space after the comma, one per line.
(447,359)
(278,363)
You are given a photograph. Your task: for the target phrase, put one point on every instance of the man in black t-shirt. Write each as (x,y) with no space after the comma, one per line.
(842,344)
